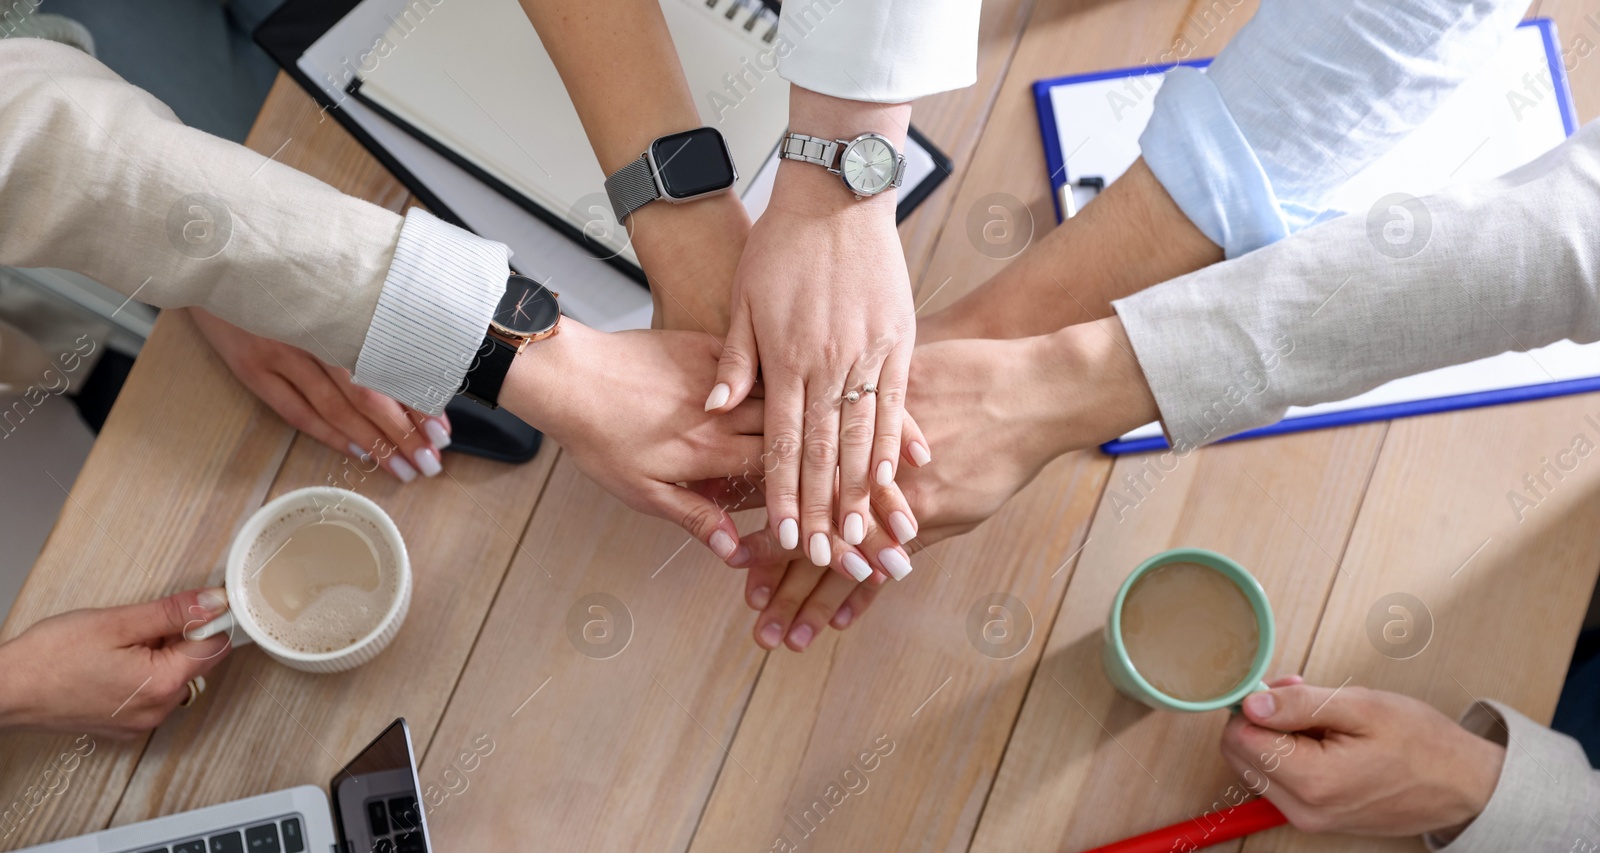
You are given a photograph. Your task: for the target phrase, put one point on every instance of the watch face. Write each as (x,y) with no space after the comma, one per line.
(693,163)
(868,165)
(528,308)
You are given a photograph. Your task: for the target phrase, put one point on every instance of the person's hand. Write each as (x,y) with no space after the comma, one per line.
(116,671)
(323,403)
(822,306)
(627,407)
(1000,410)
(1361,761)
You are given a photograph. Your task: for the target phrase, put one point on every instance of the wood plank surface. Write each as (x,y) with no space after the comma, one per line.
(1087,766)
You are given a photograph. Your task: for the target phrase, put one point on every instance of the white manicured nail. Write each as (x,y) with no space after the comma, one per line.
(719,396)
(437,434)
(901,525)
(821,552)
(919,454)
(357,452)
(722,544)
(895,562)
(855,529)
(788,534)
(885,473)
(856,566)
(428,461)
(402,469)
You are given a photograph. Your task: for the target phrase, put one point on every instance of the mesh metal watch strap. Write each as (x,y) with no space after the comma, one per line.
(631,187)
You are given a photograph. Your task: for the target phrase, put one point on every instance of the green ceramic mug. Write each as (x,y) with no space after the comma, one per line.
(1119,668)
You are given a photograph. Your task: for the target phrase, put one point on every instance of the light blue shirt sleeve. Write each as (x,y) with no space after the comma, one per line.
(1302,99)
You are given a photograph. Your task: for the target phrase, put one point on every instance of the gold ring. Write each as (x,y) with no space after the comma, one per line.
(197,686)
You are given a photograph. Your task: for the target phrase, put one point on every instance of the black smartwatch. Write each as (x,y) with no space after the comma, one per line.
(681,167)
(527,312)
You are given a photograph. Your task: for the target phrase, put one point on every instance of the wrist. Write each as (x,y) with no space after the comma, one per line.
(812,188)
(1099,390)
(14,686)
(538,387)
(1472,780)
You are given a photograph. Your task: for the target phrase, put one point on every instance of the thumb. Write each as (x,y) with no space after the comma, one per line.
(703,519)
(150,621)
(1303,706)
(736,370)
(760,549)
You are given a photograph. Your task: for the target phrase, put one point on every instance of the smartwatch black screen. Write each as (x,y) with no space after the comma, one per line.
(693,162)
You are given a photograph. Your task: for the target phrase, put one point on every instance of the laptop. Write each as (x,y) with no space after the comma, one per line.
(373,805)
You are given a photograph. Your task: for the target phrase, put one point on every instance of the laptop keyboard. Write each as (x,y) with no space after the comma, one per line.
(396,825)
(283,836)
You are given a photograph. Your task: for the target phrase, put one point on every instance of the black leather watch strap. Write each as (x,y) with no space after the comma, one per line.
(488,371)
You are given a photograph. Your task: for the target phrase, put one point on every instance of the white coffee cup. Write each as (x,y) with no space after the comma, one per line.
(290,512)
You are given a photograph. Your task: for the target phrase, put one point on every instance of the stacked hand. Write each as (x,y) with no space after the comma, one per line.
(995,410)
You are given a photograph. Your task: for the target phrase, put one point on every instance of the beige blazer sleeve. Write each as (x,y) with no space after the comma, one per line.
(99,177)
(1343,307)
(1547,799)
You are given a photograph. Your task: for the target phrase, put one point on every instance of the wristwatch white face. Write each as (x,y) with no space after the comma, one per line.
(868,165)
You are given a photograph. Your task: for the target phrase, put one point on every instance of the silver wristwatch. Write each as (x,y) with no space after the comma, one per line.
(867,164)
(680,167)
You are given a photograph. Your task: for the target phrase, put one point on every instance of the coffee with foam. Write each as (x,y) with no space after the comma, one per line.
(1190,631)
(319,579)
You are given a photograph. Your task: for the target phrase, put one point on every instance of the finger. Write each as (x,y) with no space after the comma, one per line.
(799,579)
(890,415)
(298,412)
(736,369)
(702,518)
(760,582)
(856,423)
(913,444)
(194,658)
(889,506)
(762,550)
(1286,681)
(311,380)
(747,418)
(884,553)
(733,494)
(1303,706)
(824,601)
(856,604)
(780,463)
(398,426)
(438,429)
(1257,778)
(818,463)
(150,621)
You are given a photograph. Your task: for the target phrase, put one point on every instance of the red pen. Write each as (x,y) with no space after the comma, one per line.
(1258,815)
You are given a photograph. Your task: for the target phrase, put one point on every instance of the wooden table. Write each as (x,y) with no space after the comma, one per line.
(693,739)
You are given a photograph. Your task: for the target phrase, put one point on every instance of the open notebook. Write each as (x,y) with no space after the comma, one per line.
(474,81)
(1512,110)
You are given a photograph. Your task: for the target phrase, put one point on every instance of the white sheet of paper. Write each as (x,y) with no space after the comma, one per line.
(454,36)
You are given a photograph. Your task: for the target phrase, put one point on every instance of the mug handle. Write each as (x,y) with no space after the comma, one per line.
(1235,708)
(223,623)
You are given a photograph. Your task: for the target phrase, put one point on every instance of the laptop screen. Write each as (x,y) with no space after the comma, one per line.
(377,807)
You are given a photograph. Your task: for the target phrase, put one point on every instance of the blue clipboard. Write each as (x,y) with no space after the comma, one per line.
(1055,162)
